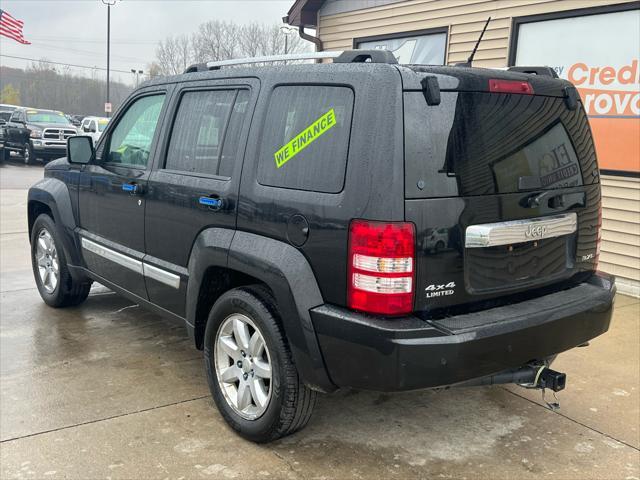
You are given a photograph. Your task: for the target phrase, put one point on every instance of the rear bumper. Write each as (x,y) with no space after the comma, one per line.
(366,352)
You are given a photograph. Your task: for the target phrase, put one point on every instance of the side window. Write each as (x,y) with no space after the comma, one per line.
(198,130)
(305,139)
(130,141)
(15,117)
(231,145)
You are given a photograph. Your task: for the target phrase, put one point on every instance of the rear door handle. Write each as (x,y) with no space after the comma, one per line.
(214,203)
(133,188)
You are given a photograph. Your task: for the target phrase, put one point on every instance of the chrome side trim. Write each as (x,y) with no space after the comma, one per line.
(149,271)
(116,257)
(520,231)
(162,276)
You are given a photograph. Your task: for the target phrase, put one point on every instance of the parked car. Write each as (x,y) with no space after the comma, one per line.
(437,240)
(93,127)
(38,134)
(278,213)
(5,114)
(75,120)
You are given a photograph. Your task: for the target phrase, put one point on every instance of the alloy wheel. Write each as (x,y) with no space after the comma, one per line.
(243,366)
(46,257)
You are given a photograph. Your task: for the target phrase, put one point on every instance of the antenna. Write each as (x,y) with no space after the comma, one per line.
(475,48)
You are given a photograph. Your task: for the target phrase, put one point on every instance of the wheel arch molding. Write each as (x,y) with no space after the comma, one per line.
(52,196)
(283,270)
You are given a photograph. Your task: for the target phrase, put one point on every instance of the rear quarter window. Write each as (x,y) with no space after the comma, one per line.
(305,139)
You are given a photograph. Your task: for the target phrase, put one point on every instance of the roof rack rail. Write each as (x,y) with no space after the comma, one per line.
(272,58)
(348,56)
(545,71)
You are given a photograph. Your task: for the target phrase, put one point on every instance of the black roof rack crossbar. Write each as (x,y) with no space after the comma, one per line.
(545,71)
(361,56)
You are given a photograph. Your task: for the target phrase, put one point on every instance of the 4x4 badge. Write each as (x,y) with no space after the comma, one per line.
(440,290)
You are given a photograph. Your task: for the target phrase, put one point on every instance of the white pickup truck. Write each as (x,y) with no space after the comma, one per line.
(93,127)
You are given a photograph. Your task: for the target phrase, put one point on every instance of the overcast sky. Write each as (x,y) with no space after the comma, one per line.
(74,31)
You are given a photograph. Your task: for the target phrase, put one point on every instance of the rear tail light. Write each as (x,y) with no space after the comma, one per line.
(381,267)
(510,86)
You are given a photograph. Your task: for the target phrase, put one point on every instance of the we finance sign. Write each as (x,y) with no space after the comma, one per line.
(599,54)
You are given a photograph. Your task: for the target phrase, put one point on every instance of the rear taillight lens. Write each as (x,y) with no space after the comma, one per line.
(510,86)
(381,267)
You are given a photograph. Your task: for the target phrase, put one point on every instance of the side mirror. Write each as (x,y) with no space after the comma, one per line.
(79,150)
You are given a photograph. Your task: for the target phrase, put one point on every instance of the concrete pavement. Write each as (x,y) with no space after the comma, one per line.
(108,390)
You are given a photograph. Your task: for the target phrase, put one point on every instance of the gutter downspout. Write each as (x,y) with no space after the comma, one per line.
(310,38)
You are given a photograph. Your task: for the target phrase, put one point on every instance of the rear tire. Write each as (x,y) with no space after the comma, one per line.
(53,279)
(289,402)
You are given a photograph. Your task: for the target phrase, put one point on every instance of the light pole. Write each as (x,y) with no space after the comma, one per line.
(137,73)
(286,31)
(109,4)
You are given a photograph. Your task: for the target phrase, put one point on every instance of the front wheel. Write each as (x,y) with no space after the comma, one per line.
(27,154)
(251,375)
(55,284)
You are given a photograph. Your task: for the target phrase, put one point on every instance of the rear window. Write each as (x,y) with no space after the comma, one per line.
(305,140)
(481,143)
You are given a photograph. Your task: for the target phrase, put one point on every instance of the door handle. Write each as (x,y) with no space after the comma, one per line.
(133,188)
(214,203)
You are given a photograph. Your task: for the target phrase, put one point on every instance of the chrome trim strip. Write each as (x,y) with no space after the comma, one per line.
(520,231)
(149,271)
(116,257)
(161,276)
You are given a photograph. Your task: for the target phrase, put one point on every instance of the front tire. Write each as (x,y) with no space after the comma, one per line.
(27,154)
(53,279)
(250,372)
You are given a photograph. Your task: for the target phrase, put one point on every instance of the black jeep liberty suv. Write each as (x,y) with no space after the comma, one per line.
(350,224)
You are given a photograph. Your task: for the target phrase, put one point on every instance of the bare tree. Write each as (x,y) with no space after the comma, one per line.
(44,86)
(174,55)
(219,40)
(216,40)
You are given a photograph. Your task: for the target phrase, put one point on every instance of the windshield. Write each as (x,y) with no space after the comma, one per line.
(102,124)
(39,116)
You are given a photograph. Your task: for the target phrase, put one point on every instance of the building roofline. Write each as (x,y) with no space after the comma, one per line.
(304,13)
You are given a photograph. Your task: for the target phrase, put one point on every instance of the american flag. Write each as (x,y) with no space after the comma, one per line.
(11,28)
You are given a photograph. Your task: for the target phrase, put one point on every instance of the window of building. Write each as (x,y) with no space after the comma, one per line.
(305,139)
(426,48)
(599,55)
